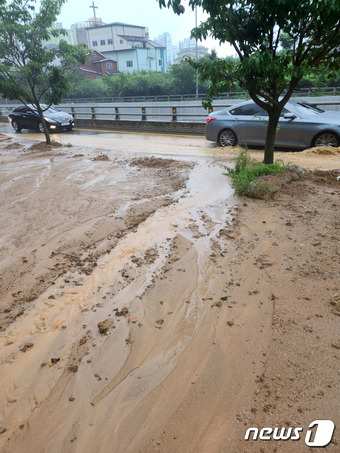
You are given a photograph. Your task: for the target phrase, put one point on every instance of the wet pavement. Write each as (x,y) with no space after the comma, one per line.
(163,144)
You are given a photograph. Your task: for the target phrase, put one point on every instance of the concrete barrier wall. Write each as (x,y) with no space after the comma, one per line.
(159,127)
(143,126)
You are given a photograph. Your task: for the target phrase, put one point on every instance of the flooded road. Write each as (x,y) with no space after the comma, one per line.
(135,316)
(149,227)
(166,144)
(26,385)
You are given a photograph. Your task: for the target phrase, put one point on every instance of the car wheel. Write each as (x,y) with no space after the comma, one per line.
(227,138)
(16,126)
(326,139)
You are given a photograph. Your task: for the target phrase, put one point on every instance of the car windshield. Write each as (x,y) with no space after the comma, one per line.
(305,109)
(43,106)
(52,109)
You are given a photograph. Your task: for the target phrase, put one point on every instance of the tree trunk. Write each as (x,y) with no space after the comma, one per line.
(42,119)
(46,131)
(47,134)
(274,117)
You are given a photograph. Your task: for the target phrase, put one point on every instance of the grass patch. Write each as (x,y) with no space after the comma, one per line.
(255,179)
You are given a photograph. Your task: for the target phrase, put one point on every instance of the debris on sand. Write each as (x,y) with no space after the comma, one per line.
(24,347)
(106,325)
(156,162)
(4,137)
(124,311)
(323,151)
(43,146)
(101,157)
(335,304)
(132,319)
(55,360)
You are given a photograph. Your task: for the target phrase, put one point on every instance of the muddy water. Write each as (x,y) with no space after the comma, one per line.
(170,145)
(151,385)
(55,350)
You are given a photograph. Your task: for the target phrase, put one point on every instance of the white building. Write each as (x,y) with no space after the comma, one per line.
(191,53)
(129,45)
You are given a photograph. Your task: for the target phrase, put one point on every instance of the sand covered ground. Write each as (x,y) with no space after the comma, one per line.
(146,308)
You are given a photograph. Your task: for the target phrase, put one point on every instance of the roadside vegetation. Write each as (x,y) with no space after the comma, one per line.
(180,79)
(30,71)
(255,179)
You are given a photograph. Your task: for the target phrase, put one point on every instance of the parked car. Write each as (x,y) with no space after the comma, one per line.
(27,117)
(301,125)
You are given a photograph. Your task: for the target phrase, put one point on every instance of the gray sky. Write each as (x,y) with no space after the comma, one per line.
(139,12)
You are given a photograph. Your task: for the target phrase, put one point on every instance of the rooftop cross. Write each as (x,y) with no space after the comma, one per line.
(94,10)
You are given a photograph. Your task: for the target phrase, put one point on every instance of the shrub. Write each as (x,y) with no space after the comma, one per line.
(246,171)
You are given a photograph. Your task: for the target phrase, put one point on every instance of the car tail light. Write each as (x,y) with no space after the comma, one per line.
(210,119)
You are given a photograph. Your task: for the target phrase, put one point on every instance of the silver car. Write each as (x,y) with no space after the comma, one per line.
(301,125)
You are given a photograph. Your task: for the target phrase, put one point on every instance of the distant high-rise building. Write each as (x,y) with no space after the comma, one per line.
(187,43)
(166,41)
(187,48)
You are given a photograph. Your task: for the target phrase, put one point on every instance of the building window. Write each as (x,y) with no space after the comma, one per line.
(121,41)
(102,42)
(109,41)
(129,64)
(160,62)
(109,65)
(94,43)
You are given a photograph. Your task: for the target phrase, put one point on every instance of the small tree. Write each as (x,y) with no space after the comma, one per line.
(184,77)
(270,72)
(29,70)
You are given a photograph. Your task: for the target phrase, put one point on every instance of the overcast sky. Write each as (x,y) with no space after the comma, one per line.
(139,12)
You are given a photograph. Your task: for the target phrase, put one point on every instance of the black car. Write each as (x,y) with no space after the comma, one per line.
(27,117)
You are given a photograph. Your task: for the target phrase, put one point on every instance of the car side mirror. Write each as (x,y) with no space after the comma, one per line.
(289,116)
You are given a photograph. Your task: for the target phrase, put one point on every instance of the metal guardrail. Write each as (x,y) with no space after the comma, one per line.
(174,113)
(150,99)
(188,112)
(141,113)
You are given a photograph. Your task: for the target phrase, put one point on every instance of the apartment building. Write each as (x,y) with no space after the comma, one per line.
(128,45)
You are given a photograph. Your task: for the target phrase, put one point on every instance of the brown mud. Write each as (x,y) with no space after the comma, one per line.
(145,308)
